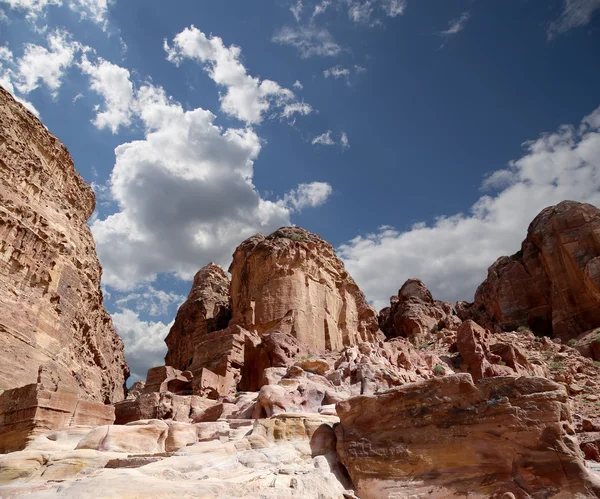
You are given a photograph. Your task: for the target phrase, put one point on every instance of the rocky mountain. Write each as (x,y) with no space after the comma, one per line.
(279,383)
(51,307)
(293,279)
(552,285)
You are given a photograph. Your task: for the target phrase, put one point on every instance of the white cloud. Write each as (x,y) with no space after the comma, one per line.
(576,13)
(296,10)
(452,255)
(336,72)
(7,76)
(364,11)
(344,142)
(95,10)
(144,340)
(324,139)
(113,83)
(41,65)
(247,98)
(456,25)
(394,8)
(148,299)
(309,40)
(321,7)
(185,195)
(307,195)
(298,85)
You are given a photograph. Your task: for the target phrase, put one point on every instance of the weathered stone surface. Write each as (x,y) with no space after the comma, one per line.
(294,279)
(52,307)
(206,310)
(414,313)
(31,410)
(483,356)
(138,437)
(553,284)
(448,436)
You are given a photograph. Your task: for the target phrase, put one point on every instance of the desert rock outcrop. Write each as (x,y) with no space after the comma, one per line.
(294,279)
(447,436)
(552,285)
(414,313)
(206,310)
(50,298)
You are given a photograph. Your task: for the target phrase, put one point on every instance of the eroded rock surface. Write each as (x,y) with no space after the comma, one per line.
(414,313)
(50,298)
(447,436)
(293,279)
(206,310)
(553,284)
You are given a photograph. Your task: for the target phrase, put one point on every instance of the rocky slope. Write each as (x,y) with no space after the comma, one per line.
(50,300)
(552,285)
(294,281)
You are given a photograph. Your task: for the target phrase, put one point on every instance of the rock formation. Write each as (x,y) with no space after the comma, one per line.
(294,279)
(447,436)
(552,285)
(50,298)
(414,313)
(206,310)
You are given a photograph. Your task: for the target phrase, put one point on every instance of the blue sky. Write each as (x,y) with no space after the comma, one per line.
(419,137)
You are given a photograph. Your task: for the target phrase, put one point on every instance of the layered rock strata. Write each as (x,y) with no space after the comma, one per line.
(552,285)
(205,310)
(293,279)
(52,307)
(447,436)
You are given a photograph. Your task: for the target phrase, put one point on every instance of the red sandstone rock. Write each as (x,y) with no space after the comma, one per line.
(294,277)
(414,313)
(447,436)
(553,284)
(206,310)
(52,307)
(31,410)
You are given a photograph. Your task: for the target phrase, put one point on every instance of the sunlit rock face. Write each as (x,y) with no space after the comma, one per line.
(293,280)
(50,299)
(552,285)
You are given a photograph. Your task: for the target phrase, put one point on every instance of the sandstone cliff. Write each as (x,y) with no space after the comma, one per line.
(50,299)
(553,284)
(206,310)
(294,279)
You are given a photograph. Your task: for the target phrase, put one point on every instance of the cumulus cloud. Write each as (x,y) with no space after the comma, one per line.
(296,10)
(344,142)
(298,85)
(452,254)
(185,195)
(321,7)
(46,65)
(8,75)
(150,300)
(340,72)
(144,340)
(576,13)
(246,97)
(309,40)
(307,195)
(113,83)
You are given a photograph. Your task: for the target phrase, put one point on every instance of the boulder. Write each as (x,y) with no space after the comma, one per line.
(205,310)
(138,437)
(294,280)
(552,285)
(52,306)
(447,436)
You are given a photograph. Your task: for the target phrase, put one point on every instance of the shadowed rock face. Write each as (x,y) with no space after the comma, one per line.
(447,436)
(52,307)
(206,310)
(293,280)
(553,284)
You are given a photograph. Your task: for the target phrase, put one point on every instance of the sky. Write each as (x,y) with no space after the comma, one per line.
(420,138)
